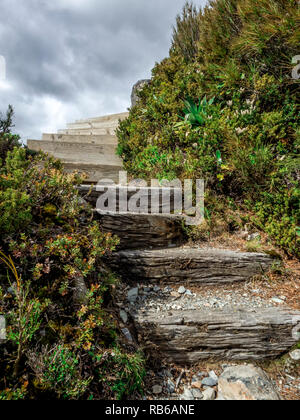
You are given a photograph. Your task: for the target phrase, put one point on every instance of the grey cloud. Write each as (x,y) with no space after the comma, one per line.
(69,59)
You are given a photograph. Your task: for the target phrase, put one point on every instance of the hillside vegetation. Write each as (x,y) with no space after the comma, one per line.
(224,107)
(63,338)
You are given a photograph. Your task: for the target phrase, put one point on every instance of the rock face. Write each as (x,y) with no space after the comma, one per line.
(136,88)
(191,336)
(190,265)
(246,383)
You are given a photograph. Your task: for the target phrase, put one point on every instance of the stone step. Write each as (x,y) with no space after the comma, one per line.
(191,266)
(106,118)
(153,200)
(189,336)
(143,230)
(79,152)
(96,173)
(104,139)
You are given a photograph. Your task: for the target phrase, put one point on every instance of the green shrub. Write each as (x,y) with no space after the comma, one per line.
(7,140)
(245,142)
(58,370)
(186,33)
(54,285)
(122,373)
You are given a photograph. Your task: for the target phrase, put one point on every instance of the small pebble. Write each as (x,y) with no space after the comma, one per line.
(187,395)
(127,334)
(277,300)
(209,382)
(124,316)
(133,294)
(295,355)
(209,394)
(213,375)
(157,389)
(197,394)
(170,386)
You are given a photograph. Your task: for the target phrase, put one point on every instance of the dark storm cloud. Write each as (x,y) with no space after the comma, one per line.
(70,59)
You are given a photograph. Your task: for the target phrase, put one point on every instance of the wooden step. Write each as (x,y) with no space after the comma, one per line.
(143,231)
(191,266)
(187,337)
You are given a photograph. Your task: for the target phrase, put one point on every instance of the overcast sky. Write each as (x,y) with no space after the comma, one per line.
(73,59)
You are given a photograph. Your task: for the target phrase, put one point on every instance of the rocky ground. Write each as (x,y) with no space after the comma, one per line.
(201,382)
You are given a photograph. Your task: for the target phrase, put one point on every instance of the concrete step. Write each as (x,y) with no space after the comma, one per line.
(89,131)
(79,152)
(93,125)
(143,230)
(106,118)
(104,139)
(189,266)
(96,173)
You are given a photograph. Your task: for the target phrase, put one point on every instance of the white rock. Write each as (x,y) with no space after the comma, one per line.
(182,290)
(253,237)
(246,383)
(209,394)
(277,300)
(171,386)
(295,355)
(187,395)
(197,394)
(213,375)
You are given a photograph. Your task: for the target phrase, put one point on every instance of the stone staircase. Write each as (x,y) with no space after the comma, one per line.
(88,146)
(155,261)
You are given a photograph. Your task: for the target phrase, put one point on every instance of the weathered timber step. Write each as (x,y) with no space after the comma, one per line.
(146,231)
(95,173)
(83,153)
(150,200)
(193,266)
(191,336)
(62,138)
